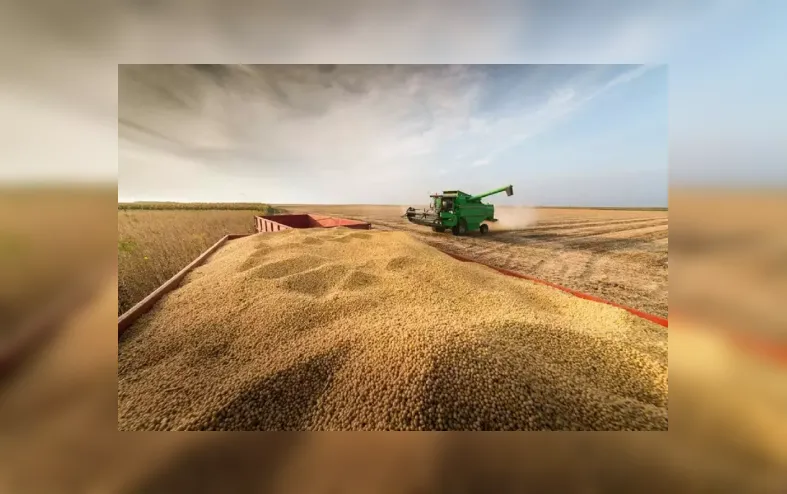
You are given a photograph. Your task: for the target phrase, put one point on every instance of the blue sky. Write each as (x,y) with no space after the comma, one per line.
(611,150)
(707,109)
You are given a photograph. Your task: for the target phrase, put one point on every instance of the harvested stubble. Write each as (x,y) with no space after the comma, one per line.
(340,329)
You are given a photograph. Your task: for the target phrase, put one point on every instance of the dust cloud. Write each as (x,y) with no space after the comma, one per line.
(513,218)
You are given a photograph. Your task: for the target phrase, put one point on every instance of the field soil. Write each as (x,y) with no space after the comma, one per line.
(618,255)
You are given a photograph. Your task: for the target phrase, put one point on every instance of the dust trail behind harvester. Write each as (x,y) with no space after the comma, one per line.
(513,218)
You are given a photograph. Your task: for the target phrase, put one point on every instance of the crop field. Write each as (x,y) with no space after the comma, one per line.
(154,244)
(618,255)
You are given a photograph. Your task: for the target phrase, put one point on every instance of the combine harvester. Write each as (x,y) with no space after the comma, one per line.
(457,211)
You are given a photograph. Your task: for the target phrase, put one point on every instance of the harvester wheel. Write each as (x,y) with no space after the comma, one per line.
(484,229)
(459,229)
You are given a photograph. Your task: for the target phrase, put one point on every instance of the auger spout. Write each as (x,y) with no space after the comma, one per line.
(508,189)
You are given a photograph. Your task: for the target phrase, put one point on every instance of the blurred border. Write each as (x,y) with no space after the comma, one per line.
(59,417)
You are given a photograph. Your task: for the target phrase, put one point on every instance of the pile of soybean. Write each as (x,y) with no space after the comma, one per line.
(339,329)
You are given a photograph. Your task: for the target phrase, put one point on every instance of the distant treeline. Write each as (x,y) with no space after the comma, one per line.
(202,206)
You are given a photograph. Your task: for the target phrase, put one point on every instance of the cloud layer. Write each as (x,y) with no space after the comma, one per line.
(339,130)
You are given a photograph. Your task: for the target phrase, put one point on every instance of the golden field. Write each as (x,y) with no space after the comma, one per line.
(153,245)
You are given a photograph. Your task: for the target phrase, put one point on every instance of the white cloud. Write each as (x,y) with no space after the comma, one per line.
(623,78)
(561,96)
(376,125)
(560,105)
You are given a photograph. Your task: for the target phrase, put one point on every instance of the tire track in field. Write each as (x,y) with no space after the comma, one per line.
(646,238)
(590,266)
(662,242)
(536,267)
(604,246)
(550,225)
(574,237)
(639,232)
(617,229)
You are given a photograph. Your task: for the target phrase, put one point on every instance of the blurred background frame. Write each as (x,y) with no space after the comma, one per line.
(58,254)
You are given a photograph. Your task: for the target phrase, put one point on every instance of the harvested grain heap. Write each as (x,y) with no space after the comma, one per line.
(340,329)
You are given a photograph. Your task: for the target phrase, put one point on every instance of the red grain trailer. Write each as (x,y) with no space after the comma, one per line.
(276,223)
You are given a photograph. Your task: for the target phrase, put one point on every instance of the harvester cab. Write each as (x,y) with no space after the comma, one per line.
(457,211)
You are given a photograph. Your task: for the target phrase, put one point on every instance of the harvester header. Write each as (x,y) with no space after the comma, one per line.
(458,211)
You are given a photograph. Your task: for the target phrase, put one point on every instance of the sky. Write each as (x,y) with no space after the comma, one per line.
(718,63)
(561,134)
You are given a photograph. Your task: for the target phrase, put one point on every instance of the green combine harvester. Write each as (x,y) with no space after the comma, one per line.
(457,211)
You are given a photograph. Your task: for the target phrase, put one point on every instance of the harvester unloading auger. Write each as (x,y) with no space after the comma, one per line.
(457,211)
